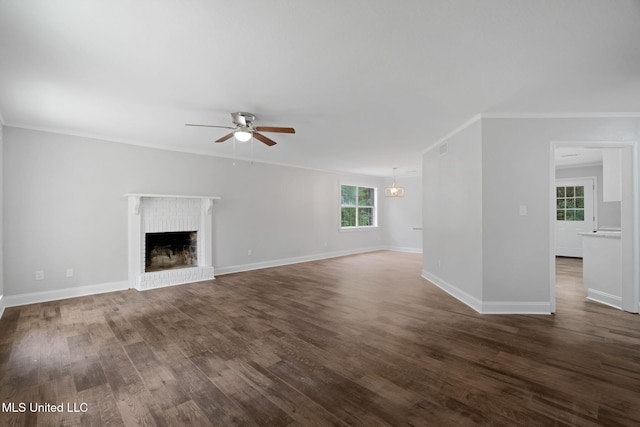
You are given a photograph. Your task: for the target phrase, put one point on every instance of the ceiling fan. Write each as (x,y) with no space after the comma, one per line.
(244,129)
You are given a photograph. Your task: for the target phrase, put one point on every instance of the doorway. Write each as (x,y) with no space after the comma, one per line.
(576,213)
(630,221)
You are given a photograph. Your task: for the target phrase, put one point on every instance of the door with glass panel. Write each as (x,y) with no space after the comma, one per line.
(575,213)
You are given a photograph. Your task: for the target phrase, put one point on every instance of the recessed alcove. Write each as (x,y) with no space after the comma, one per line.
(169,250)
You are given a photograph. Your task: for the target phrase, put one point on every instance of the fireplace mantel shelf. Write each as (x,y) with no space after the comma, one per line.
(171,196)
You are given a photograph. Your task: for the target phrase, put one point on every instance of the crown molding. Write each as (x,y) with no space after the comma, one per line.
(597,115)
(460,128)
(181,150)
(594,115)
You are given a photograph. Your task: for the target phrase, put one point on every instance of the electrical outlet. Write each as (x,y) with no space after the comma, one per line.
(39,275)
(69,272)
(249,252)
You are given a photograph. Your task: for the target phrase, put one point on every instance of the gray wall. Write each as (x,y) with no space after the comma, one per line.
(404,214)
(608,212)
(1,216)
(64,208)
(452,212)
(477,245)
(516,171)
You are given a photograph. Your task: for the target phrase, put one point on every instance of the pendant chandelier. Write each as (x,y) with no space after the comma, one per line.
(394,190)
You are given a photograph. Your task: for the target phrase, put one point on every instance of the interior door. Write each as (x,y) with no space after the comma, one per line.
(575,213)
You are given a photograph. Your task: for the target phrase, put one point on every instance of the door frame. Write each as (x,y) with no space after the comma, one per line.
(630,222)
(594,201)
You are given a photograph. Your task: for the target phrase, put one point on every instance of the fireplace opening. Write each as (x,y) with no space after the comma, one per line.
(165,251)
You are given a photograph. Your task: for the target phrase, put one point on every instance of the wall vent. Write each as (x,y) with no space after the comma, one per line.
(444,148)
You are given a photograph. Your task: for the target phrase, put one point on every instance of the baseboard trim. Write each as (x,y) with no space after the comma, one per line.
(58,294)
(516,307)
(489,307)
(604,298)
(295,260)
(168,285)
(455,292)
(402,249)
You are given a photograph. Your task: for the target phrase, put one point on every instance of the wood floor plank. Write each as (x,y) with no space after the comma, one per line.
(102,409)
(88,374)
(260,409)
(186,414)
(297,405)
(357,340)
(311,385)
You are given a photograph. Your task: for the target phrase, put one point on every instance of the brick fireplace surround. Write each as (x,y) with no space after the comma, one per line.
(157,213)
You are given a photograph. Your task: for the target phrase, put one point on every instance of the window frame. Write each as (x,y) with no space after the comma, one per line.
(357,206)
(569,213)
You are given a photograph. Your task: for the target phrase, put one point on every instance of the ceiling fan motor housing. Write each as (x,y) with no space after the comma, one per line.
(243,119)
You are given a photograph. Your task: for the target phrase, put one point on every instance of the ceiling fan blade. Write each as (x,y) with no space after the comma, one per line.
(224,138)
(264,139)
(275,129)
(209,126)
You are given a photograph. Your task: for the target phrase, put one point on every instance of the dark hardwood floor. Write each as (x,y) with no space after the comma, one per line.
(359,340)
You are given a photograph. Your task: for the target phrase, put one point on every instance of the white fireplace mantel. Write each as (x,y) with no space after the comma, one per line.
(167,213)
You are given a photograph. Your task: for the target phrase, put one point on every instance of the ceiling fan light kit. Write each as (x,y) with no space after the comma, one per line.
(245,129)
(242,135)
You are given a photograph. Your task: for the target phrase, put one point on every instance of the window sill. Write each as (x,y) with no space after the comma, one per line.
(350,229)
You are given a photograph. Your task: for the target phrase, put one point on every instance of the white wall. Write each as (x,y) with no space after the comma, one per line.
(516,171)
(65,208)
(1,218)
(608,212)
(452,215)
(477,245)
(403,215)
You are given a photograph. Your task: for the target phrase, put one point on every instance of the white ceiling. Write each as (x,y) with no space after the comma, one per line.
(367,84)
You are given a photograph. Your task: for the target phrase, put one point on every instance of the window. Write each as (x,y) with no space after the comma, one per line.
(358,206)
(570,203)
